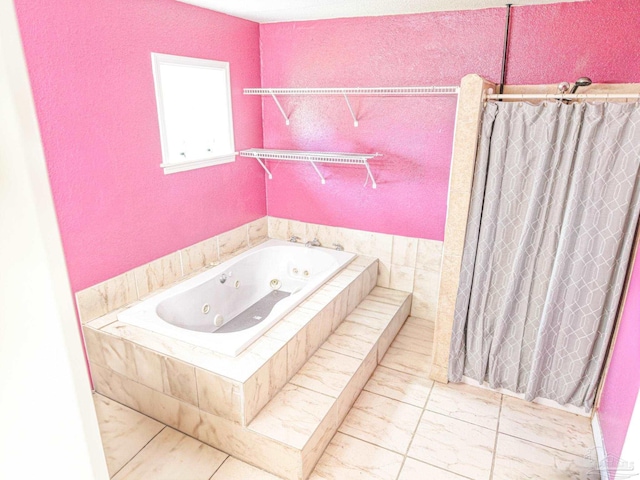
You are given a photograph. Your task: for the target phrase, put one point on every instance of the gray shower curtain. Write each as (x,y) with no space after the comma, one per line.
(551,226)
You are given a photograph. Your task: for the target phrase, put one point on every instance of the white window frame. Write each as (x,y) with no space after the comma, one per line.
(170,165)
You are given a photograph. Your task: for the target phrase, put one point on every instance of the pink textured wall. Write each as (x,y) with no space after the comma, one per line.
(623,380)
(90,68)
(414,134)
(548,44)
(565,41)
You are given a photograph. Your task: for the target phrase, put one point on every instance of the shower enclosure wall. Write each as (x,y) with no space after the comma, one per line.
(470,107)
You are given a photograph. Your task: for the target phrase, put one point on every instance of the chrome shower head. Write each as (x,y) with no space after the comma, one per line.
(581,82)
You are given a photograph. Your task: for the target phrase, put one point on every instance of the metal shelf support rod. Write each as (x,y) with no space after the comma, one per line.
(369,175)
(317,171)
(263,165)
(353,115)
(275,99)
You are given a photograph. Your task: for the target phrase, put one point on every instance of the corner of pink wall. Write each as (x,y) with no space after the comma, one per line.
(90,70)
(622,383)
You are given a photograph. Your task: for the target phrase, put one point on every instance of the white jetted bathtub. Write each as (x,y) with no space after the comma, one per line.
(229,306)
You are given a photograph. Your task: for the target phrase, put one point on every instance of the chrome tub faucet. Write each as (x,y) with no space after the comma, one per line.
(313,243)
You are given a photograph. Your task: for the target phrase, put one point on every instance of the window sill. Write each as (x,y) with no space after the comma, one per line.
(193,164)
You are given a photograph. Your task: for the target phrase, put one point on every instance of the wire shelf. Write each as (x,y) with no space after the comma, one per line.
(303,156)
(261,154)
(350,92)
(366,91)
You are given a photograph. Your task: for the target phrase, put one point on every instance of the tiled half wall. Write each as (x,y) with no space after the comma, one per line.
(136,284)
(405,263)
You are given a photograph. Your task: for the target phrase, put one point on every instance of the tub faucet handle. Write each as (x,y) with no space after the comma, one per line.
(339,247)
(294,239)
(313,243)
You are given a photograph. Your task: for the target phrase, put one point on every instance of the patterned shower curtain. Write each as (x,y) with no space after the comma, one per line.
(553,214)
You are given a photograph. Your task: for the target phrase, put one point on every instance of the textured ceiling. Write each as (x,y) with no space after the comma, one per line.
(266,11)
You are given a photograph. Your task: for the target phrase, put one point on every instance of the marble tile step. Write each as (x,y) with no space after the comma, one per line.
(303,417)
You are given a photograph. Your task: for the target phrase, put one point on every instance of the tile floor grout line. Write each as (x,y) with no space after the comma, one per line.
(406,373)
(341,353)
(364,410)
(406,335)
(401,371)
(405,456)
(458,419)
(541,444)
(143,447)
(366,441)
(464,477)
(95,392)
(219,466)
(164,425)
(415,430)
(200,441)
(437,466)
(405,349)
(495,442)
(364,389)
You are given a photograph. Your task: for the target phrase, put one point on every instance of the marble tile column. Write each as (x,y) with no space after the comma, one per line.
(468,121)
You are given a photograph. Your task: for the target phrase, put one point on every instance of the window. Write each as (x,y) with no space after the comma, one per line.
(194,111)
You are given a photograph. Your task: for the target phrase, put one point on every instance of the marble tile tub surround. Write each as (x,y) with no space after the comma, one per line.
(126,288)
(290,434)
(405,263)
(233,388)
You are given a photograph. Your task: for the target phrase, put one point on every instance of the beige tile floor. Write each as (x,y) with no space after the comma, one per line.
(402,427)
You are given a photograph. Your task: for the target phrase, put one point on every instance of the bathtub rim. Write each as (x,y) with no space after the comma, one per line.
(149,304)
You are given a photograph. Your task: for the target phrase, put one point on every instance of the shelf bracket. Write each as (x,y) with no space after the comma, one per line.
(317,171)
(353,115)
(275,99)
(263,165)
(369,176)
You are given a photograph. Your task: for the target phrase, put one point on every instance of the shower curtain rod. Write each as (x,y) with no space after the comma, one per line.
(563,96)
